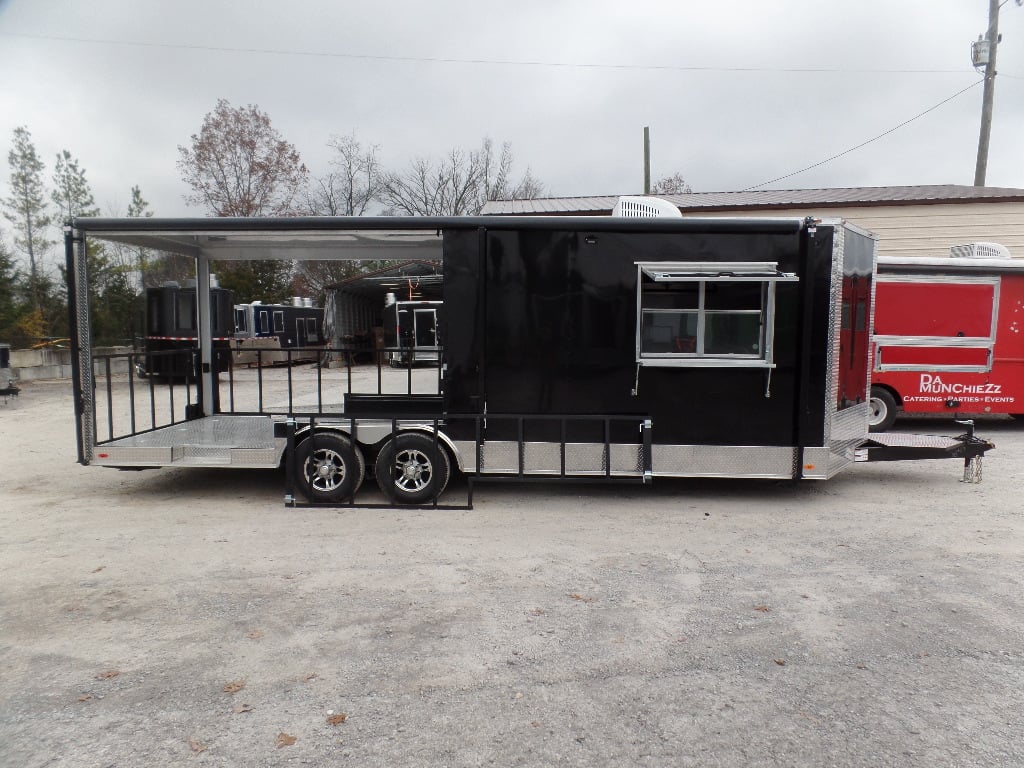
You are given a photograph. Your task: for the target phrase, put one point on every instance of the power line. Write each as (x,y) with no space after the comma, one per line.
(490,62)
(865,143)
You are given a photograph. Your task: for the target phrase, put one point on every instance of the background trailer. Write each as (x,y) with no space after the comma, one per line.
(601,348)
(948,335)
(268,334)
(172,329)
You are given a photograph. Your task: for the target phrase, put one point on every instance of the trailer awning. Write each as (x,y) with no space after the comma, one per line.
(308,245)
(392,238)
(677,271)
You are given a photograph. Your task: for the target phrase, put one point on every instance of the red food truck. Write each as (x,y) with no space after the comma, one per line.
(948,335)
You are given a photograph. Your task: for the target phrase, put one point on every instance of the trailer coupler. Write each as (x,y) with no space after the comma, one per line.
(900,447)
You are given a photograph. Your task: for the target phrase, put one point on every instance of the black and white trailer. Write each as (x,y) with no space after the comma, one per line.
(411,331)
(267,334)
(295,325)
(574,347)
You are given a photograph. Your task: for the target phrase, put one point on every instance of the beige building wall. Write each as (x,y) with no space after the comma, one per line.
(921,230)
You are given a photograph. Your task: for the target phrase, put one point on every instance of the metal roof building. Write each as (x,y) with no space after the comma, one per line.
(919,220)
(355,306)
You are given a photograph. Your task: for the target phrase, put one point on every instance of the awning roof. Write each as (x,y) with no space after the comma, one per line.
(380,237)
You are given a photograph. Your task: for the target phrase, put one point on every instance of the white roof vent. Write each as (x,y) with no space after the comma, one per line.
(980,251)
(636,206)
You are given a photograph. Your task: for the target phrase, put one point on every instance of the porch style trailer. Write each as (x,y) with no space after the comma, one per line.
(593,347)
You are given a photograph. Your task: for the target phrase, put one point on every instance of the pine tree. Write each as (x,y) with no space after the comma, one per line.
(73,196)
(10,292)
(71,192)
(26,209)
(139,206)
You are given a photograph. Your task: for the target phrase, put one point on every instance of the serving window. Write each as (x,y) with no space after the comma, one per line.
(706,314)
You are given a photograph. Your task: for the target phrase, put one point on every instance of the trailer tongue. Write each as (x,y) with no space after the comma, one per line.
(904,447)
(589,348)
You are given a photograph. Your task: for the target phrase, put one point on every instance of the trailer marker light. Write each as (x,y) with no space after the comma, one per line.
(103,455)
(808,466)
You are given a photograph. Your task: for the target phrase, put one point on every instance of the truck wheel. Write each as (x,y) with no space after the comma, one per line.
(412,468)
(883,410)
(328,467)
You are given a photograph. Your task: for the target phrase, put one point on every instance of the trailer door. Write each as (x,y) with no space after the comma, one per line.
(425,324)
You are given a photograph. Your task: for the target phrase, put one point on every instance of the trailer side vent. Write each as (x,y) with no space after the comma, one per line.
(980,251)
(645,207)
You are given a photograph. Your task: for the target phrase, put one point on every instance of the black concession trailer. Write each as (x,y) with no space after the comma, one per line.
(609,348)
(294,326)
(267,334)
(412,331)
(172,329)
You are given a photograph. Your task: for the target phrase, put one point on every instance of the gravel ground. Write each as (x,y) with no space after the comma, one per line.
(186,617)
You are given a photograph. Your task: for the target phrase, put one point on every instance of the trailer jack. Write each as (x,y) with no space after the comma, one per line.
(901,447)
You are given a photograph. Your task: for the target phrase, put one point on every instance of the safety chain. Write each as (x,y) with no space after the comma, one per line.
(972,470)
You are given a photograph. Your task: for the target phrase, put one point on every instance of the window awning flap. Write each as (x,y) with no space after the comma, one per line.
(669,271)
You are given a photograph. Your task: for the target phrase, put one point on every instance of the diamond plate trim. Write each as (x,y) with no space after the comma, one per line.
(627,460)
(219,440)
(835,296)
(544,458)
(724,461)
(131,457)
(821,461)
(86,376)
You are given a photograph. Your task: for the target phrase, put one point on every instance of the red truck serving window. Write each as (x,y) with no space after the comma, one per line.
(948,337)
(940,323)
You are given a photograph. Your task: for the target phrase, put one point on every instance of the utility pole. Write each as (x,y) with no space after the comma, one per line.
(992,37)
(647,160)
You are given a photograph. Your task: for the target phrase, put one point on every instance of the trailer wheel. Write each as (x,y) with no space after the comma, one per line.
(329,467)
(412,468)
(883,410)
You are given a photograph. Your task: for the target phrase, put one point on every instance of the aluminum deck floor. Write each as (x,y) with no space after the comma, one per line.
(217,431)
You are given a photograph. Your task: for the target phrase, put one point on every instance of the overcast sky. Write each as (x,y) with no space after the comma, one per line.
(735,93)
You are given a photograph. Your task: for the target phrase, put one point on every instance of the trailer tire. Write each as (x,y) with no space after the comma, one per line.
(329,467)
(883,410)
(413,468)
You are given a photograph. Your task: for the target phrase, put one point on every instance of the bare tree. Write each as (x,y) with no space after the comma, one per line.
(497,180)
(239,165)
(671,185)
(459,184)
(352,184)
(348,189)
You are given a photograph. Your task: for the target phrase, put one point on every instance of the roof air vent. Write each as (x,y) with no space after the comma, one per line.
(633,207)
(980,251)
